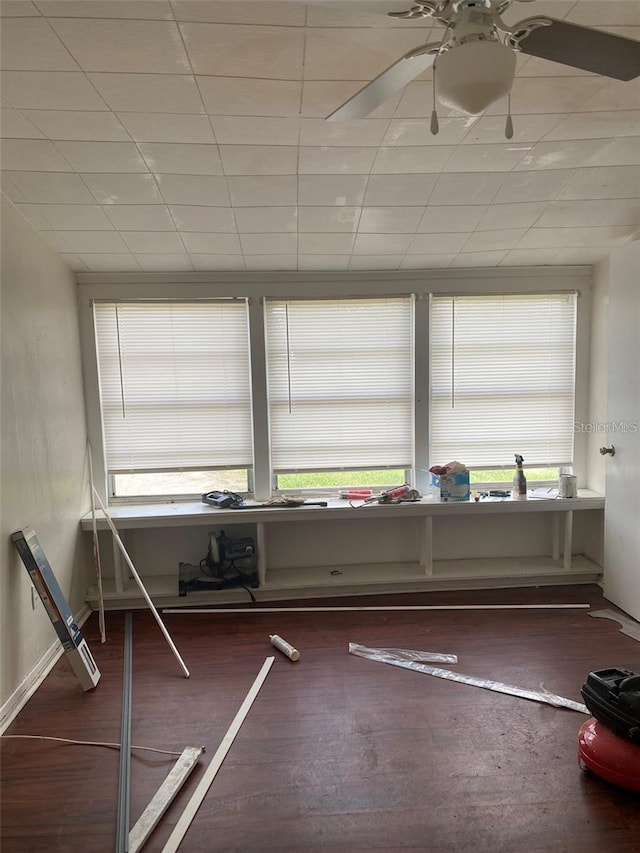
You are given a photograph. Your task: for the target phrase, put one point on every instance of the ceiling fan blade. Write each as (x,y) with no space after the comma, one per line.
(582,47)
(386,84)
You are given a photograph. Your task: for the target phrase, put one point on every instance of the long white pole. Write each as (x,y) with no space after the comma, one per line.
(184,822)
(138,580)
(220,610)
(96,553)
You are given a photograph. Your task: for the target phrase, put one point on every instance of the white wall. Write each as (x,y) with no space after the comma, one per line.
(44,480)
(596,463)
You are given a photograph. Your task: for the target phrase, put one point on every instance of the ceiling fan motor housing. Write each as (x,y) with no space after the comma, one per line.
(474,69)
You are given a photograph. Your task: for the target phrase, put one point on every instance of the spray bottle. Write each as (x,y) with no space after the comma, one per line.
(519,491)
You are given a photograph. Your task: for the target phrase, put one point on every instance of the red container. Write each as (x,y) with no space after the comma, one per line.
(611,757)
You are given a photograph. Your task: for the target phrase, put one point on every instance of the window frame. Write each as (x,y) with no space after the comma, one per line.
(255,288)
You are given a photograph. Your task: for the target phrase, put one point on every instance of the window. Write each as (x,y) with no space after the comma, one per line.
(340,388)
(175,395)
(503,380)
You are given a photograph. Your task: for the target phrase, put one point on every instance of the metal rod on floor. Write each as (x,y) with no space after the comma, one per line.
(408,607)
(138,580)
(124,776)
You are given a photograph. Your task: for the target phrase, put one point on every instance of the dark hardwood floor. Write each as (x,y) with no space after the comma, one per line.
(338,753)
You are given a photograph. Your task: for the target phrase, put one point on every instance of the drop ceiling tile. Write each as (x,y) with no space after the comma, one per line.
(245,51)
(74,217)
(46,90)
(614,95)
(139,217)
(555,8)
(262,263)
(153,242)
(55,240)
(217,262)
(196,218)
(16,125)
(10,189)
(78,125)
(466,188)
(35,216)
(51,188)
(526,187)
(329,190)
(486,158)
(546,95)
(269,244)
(564,238)
(165,127)
(29,44)
(231,12)
(409,131)
(436,244)
(335,160)
(389,220)
(261,220)
(250,96)
(18,9)
(321,97)
(102,156)
(603,182)
(528,257)
(355,54)
(522,215)
(74,262)
(93,241)
(181,158)
(375,262)
(421,159)
(34,155)
(263,190)
(150,9)
(366,132)
(120,262)
(492,241)
(418,262)
(237,130)
(208,190)
(617,152)
(595,125)
(164,262)
(323,262)
(328,219)
(581,255)
(562,154)
(149,93)
(149,47)
(477,259)
(443,219)
(381,244)
(574,213)
(353,13)
(384,190)
(202,243)
(123,189)
(526,128)
(325,244)
(259,159)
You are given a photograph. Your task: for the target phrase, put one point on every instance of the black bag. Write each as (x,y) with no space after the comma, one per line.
(223,500)
(613,698)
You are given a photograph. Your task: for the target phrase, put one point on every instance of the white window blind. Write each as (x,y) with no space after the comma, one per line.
(340,380)
(503,377)
(174,385)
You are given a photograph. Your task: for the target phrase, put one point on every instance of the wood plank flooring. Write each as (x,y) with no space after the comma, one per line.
(338,753)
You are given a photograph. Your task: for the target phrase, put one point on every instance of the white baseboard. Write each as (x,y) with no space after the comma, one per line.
(25,690)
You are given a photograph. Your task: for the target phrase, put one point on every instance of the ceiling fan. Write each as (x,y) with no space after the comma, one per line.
(475,61)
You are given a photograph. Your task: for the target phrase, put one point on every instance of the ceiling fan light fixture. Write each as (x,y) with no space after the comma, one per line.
(473,75)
